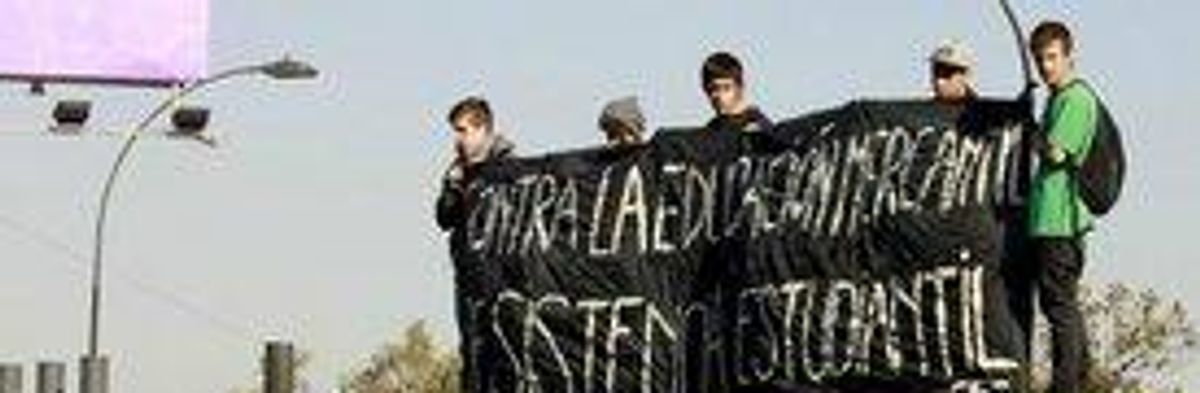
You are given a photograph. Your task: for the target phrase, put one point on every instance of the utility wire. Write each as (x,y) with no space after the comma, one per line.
(81,261)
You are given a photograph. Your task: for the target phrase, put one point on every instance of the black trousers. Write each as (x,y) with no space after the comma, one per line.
(1053,269)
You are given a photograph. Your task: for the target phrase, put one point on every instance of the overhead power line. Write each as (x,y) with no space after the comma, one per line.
(79,262)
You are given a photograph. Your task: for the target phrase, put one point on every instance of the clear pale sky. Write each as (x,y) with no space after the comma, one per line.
(313,221)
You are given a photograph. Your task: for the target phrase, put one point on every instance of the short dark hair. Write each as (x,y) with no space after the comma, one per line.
(1050,31)
(472,106)
(721,65)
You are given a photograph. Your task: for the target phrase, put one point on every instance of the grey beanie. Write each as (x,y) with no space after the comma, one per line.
(624,112)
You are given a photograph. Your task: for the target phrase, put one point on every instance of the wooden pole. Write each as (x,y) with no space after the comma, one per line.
(279,364)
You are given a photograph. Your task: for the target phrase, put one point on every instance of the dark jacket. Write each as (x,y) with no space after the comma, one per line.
(451,203)
(751,120)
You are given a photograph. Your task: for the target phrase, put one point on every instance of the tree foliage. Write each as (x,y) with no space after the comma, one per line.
(1139,341)
(417,363)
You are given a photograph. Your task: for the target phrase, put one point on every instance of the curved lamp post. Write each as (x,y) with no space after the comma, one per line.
(93,376)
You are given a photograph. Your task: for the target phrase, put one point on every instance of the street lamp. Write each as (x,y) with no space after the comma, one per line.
(70,115)
(190,122)
(93,376)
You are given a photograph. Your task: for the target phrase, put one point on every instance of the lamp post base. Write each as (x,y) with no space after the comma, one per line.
(10,378)
(51,377)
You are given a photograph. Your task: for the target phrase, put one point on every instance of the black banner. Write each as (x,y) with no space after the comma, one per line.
(854,249)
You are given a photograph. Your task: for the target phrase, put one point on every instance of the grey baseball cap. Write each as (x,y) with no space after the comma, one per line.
(952,53)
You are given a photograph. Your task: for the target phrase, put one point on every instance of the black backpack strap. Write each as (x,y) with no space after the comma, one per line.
(1075,163)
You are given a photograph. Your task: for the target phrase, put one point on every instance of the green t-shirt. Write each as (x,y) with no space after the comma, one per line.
(1055,208)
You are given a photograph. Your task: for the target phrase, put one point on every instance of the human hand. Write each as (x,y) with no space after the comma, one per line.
(1056,154)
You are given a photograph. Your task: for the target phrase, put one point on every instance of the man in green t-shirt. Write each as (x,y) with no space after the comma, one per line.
(1057,217)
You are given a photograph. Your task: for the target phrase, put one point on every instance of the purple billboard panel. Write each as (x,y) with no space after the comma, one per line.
(128,41)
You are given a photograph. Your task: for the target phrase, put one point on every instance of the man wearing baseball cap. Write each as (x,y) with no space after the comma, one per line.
(950,67)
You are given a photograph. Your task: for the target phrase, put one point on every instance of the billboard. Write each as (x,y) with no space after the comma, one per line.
(104,41)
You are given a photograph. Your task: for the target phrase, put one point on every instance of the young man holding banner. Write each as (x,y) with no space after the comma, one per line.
(1058,217)
(950,69)
(723,84)
(622,122)
(475,141)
